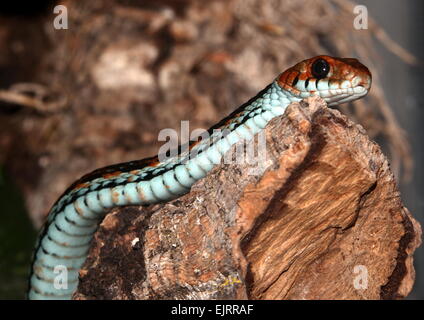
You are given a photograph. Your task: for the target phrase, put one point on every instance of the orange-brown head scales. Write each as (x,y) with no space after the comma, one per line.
(336,80)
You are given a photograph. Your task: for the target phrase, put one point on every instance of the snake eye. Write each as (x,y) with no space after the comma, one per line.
(320,68)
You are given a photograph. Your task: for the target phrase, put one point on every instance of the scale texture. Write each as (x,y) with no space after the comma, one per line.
(65,239)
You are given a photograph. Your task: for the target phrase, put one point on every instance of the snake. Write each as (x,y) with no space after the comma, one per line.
(74,218)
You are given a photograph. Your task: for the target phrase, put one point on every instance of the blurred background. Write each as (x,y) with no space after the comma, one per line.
(99,91)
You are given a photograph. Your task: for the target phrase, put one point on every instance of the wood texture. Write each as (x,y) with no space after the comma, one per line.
(320,218)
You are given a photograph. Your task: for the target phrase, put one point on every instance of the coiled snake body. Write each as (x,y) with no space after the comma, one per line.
(74,218)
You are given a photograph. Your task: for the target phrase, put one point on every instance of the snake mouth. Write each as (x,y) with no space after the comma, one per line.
(341,95)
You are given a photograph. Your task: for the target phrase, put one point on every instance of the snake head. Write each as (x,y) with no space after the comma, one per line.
(336,80)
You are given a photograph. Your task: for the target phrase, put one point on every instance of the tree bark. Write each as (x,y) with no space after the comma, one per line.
(320,218)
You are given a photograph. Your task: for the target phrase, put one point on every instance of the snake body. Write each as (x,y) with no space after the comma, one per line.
(72,221)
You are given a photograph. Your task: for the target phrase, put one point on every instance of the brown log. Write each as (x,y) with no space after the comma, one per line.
(322,220)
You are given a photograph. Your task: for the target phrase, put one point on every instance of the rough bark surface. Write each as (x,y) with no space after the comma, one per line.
(321,218)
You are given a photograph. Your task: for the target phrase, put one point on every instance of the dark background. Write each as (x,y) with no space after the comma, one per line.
(41,153)
(403,85)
